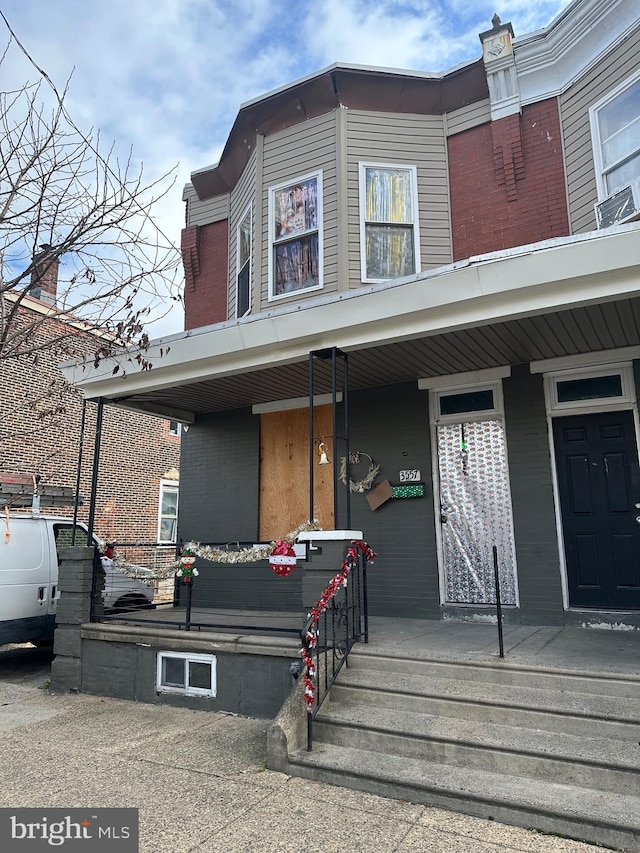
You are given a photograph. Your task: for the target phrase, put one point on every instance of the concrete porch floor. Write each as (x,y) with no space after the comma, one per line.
(557,647)
(572,648)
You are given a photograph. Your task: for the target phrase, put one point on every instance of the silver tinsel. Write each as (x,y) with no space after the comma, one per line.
(215,555)
(476,503)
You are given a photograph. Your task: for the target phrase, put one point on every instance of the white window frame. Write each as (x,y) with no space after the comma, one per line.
(187,690)
(625,400)
(413,171)
(167,486)
(177,431)
(603,192)
(273,242)
(436,392)
(496,412)
(248,212)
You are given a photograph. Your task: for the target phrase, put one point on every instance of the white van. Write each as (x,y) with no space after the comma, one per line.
(29,577)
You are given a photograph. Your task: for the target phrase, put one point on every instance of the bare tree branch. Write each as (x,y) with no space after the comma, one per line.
(71,211)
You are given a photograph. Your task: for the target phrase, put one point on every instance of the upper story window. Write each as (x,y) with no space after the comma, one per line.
(243,266)
(295,236)
(388,221)
(615,127)
(175,428)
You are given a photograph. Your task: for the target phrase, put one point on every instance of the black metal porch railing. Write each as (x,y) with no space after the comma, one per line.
(333,627)
(197,605)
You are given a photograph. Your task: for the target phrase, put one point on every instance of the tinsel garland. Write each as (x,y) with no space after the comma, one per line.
(337,582)
(215,555)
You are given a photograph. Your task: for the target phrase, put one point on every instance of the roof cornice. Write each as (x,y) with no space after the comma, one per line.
(341,84)
(551,59)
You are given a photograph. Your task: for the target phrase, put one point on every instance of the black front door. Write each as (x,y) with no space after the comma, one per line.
(599,487)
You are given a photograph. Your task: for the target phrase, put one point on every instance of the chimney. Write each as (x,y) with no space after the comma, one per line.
(44,277)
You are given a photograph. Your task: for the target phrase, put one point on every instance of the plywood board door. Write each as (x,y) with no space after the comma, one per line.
(284,471)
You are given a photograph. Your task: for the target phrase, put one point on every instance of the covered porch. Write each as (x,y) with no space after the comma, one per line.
(506,323)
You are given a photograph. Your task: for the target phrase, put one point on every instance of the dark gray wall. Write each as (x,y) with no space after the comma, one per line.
(252,685)
(219,478)
(219,492)
(391,424)
(532,497)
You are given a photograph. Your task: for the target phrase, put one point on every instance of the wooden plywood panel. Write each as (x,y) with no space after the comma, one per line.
(284,471)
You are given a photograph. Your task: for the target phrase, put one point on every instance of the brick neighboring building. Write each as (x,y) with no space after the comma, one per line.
(140,454)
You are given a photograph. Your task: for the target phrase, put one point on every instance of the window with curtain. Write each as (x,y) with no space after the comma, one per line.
(615,124)
(388,221)
(295,236)
(243,282)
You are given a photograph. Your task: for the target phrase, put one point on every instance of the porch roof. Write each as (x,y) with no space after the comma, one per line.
(561,297)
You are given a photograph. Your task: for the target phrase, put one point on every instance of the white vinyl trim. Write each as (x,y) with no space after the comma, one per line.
(586,359)
(294,403)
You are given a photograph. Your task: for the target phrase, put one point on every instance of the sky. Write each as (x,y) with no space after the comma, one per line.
(168,77)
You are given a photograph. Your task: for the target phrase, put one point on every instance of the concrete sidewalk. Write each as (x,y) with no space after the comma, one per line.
(200,782)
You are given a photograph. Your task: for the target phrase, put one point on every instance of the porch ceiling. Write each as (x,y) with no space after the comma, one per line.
(594,328)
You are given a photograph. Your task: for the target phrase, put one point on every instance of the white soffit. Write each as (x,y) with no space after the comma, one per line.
(549,60)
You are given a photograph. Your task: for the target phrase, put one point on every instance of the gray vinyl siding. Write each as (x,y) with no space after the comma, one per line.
(467,117)
(242,195)
(417,140)
(620,64)
(289,154)
(205,212)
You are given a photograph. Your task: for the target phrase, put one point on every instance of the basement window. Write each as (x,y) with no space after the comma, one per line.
(188,674)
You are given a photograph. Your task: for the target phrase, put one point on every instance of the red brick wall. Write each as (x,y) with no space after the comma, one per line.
(205,255)
(137,449)
(507,182)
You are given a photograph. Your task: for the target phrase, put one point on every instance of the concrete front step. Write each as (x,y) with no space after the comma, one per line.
(501,672)
(586,714)
(604,763)
(577,812)
(554,750)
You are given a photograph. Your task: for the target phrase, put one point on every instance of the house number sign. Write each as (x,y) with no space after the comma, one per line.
(411,476)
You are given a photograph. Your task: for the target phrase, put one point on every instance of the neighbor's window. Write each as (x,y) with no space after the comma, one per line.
(175,427)
(243,278)
(192,674)
(295,236)
(615,125)
(168,512)
(388,221)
